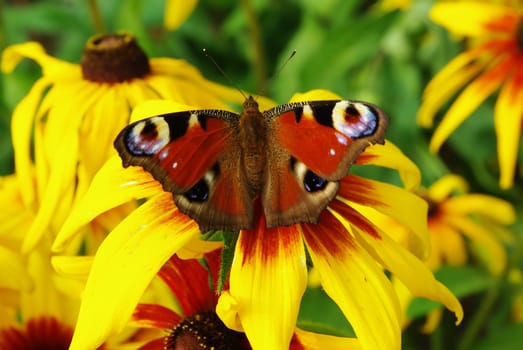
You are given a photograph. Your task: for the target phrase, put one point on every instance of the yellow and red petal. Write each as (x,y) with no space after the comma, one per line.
(369,196)
(155,316)
(125,264)
(508,118)
(469,18)
(411,271)
(390,156)
(355,282)
(123,185)
(457,73)
(267,280)
(471,97)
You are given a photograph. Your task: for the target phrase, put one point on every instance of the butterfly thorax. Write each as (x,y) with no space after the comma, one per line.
(253,139)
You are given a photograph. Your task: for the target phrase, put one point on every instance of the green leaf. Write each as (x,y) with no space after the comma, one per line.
(508,338)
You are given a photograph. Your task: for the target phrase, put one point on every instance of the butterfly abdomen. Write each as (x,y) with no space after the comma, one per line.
(253,144)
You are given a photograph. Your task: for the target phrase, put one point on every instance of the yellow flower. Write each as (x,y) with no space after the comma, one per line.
(455,215)
(493,62)
(197,322)
(76,111)
(268,274)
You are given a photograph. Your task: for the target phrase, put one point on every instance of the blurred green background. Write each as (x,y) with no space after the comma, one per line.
(357,49)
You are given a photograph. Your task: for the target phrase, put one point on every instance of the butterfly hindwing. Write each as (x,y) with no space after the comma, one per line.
(194,155)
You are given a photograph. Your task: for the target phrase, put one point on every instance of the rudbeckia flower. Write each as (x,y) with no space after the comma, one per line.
(493,62)
(75,111)
(460,221)
(196,324)
(269,273)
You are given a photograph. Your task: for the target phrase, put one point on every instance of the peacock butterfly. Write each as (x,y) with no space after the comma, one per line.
(216,162)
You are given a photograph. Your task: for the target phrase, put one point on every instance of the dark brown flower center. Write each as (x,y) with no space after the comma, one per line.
(519,34)
(433,206)
(205,331)
(44,333)
(114,58)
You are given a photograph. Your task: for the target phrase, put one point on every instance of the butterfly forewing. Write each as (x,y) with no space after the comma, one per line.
(194,155)
(312,146)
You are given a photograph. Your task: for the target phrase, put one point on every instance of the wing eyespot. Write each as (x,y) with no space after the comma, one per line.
(313,183)
(198,193)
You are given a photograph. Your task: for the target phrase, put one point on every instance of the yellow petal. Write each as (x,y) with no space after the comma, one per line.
(468,101)
(484,205)
(445,186)
(51,66)
(390,156)
(176,12)
(314,95)
(490,249)
(267,280)
(12,269)
(452,248)
(21,126)
(384,198)
(124,265)
(411,271)
(357,284)
(508,117)
(123,186)
(467,17)
(446,83)
(315,341)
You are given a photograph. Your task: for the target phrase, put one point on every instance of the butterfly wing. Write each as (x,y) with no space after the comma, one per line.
(313,145)
(194,155)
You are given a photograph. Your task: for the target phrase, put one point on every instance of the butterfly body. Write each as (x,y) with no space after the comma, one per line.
(216,163)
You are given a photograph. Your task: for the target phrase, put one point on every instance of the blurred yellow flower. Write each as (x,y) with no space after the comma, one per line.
(460,221)
(493,61)
(176,12)
(75,111)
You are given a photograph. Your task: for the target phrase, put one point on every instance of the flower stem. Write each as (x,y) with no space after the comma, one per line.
(96,16)
(257,45)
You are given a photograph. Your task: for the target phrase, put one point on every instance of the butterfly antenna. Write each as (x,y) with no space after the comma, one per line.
(208,55)
(278,71)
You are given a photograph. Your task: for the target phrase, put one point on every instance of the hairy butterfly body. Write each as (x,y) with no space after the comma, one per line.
(216,162)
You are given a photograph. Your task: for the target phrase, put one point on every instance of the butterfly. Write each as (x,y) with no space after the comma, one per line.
(217,164)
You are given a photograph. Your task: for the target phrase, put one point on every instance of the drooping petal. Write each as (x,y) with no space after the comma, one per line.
(355,282)
(316,341)
(411,271)
(467,18)
(267,280)
(484,205)
(508,118)
(471,97)
(446,186)
(490,249)
(123,185)
(124,265)
(459,71)
(390,156)
(51,66)
(176,12)
(369,196)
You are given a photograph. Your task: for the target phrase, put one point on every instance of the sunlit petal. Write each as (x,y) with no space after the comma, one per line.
(176,12)
(487,206)
(356,283)
(124,265)
(315,341)
(267,280)
(446,186)
(508,113)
